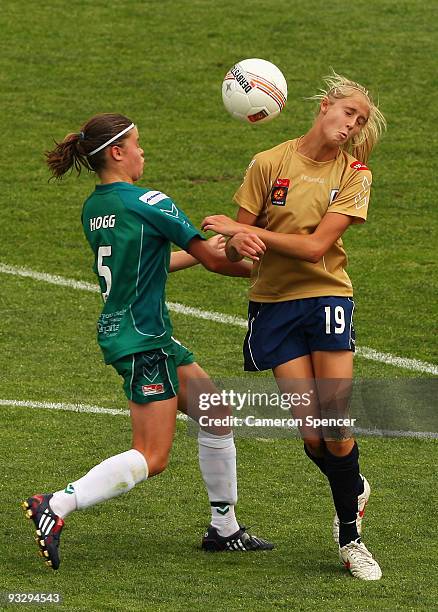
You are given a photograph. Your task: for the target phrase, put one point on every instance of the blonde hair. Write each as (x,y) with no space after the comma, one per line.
(338,87)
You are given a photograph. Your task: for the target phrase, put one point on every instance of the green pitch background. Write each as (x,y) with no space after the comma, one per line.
(162,64)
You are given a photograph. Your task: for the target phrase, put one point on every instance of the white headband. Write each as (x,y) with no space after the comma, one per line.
(108,142)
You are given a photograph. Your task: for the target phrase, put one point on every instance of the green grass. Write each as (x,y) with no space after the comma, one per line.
(162,63)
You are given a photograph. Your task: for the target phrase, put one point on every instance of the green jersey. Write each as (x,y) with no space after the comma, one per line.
(130,230)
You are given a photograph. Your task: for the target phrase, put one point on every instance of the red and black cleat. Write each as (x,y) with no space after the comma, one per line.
(48,527)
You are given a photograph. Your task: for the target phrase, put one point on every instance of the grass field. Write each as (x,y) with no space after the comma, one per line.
(162,63)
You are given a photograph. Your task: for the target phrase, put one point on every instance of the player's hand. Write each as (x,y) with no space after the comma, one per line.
(217,243)
(246,245)
(221,224)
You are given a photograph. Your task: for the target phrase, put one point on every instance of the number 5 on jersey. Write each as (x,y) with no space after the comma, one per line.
(104,271)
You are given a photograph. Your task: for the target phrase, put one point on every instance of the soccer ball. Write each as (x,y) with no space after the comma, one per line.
(254,90)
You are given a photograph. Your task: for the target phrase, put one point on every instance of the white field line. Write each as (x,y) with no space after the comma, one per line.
(182,417)
(414,365)
(71,407)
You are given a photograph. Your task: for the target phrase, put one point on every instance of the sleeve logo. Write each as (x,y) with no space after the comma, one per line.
(153,197)
(363,196)
(357,165)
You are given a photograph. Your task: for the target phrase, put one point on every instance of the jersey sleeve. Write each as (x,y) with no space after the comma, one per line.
(354,196)
(160,211)
(254,190)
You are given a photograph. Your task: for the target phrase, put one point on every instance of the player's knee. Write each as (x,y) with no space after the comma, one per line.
(315,446)
(157,462)
(340,448)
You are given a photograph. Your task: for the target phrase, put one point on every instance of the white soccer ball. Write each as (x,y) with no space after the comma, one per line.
(254,90)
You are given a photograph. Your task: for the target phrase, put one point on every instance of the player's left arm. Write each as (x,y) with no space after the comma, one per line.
(350,206)
(217,263)
(309,247)
(180,260)
(172,223)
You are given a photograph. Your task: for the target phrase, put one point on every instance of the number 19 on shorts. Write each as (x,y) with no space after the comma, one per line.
(334,319)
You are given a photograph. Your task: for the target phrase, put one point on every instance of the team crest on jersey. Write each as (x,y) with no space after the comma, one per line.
(279,192)
(152,389)
(357,165)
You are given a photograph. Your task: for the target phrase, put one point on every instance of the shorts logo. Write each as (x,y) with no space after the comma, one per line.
(152,389)
(357,165)
(279,192)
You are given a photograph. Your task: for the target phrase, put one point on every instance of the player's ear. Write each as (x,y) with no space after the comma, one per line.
(116,152)
(325,103)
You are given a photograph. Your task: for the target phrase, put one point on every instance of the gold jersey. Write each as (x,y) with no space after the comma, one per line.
(290,194)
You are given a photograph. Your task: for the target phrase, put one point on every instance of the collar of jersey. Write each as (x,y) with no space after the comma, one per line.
(308,160)
(109,186)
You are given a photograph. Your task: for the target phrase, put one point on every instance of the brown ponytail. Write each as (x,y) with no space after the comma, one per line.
(74,150)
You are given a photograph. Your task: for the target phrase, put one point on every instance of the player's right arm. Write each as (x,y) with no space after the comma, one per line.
(308,247)
(220,264)
(171,222)
(238,247)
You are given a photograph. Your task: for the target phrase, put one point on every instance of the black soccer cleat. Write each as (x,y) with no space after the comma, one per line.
(48,527)
(239,541)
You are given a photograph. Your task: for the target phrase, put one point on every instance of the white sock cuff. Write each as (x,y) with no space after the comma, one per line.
(138,465)
(213,441)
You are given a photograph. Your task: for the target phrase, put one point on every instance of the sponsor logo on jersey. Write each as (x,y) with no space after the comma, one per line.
(312,179)
(104,222)
(357,165)
(152,389)
(279,192)
(153,197)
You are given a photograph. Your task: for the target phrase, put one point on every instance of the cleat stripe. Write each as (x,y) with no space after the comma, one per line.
(49,527)
(42,519)
(44,522)
(50,521)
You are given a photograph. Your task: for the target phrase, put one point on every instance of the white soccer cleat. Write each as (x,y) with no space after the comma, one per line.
(362,501)
(359,561)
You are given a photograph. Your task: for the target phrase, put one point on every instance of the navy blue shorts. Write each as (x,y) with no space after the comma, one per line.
(281,331)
